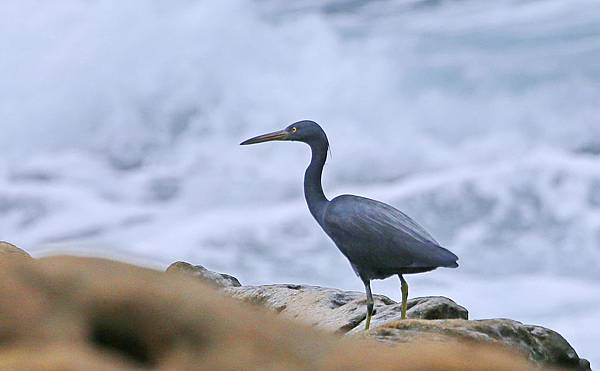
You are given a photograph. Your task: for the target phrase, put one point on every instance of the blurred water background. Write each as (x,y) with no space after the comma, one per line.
(120,123)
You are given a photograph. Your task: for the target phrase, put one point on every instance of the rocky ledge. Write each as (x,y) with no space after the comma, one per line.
(71,313)
(432,319)
(68,313)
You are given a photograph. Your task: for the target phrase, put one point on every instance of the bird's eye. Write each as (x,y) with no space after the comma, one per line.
(294,129)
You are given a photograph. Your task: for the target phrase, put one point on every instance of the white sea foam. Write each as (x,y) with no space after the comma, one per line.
(120,123)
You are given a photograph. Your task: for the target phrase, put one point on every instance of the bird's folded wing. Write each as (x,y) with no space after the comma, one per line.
(372,230)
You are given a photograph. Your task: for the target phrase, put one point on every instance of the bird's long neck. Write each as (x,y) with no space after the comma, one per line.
(313,190)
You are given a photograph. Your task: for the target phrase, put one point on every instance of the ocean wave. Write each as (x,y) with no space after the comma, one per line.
(121,120)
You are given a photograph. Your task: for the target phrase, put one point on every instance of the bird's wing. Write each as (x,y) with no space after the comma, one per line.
(365,210)
(360,223)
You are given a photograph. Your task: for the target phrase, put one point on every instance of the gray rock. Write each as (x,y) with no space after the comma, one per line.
(325,308)
(559,351)
(541,345)
(429,307)
(338,310)
(213,278)
(435,307)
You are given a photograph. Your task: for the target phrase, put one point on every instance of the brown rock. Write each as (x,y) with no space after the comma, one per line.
(61,357)
(79,313)
(8,249)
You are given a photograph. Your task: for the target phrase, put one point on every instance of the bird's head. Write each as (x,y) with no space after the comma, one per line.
(302,131)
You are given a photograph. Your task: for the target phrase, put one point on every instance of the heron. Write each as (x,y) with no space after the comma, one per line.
(378,240)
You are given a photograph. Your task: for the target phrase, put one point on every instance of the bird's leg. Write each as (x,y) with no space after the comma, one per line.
(404,288)
(369,304)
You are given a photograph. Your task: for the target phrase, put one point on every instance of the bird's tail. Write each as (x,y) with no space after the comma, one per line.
(441,257)
(448,258)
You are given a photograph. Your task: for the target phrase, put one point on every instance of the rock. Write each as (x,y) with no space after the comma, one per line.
(429,307)
(345,311)
(61,357)
(325,308)
(435,307)
(72,313)
(558,350)
(213,278)
(8,249)
(539,344)
(338,310)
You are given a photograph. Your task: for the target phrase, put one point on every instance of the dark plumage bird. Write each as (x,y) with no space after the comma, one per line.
(378,240)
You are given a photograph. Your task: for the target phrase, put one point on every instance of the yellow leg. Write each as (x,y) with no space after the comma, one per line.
(404,288)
